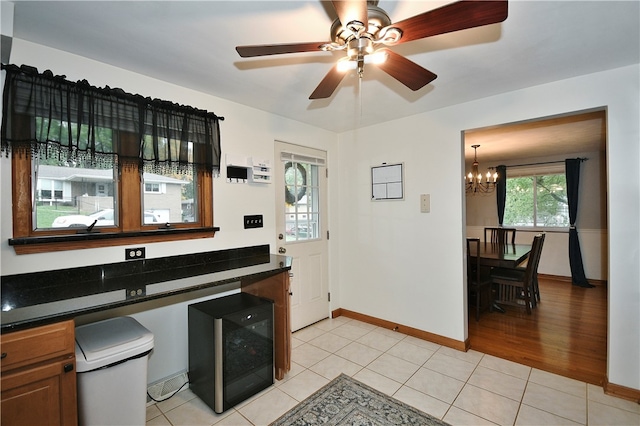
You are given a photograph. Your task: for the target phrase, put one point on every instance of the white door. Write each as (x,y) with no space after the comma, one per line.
(301,228)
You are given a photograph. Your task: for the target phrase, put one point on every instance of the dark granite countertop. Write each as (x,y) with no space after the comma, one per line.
(42,297)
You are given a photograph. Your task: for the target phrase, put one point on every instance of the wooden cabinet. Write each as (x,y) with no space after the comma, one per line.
(38,378)
(276,288)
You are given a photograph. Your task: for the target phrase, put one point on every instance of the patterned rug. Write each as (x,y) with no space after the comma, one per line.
(345,401)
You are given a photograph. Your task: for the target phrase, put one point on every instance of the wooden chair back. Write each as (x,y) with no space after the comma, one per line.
(535,288)
(500,235)
(473,263)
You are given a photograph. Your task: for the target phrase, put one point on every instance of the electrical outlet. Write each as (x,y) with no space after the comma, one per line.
(136,292)
(134,253)
(253,221)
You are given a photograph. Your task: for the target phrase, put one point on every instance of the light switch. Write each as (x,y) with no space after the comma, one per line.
(425,203)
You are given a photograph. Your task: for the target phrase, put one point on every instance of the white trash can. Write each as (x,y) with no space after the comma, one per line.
(111,367)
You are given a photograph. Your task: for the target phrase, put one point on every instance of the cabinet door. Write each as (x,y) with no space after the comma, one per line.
(34,345)
(36,395)
(276,288)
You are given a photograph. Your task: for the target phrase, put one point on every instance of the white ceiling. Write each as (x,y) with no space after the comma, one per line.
(191,44)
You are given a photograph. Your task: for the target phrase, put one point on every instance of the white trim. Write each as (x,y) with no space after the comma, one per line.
(298,158)
(535,170)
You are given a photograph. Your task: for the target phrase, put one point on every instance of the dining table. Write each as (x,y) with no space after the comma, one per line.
(497,255)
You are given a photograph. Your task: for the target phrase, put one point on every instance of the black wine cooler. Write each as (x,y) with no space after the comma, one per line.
(230,349)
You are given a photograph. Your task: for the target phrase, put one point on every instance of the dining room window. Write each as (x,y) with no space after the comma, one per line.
(537,200)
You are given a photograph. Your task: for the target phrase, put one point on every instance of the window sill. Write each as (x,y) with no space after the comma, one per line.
(43,244)
(557,230)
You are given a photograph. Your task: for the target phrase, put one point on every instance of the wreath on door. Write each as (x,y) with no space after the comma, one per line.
(294,177)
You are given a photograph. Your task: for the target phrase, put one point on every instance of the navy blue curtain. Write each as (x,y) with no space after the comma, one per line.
(572,170)
(501,191)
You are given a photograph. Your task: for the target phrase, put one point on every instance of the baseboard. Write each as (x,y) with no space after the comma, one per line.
(621,391)
(568,279)
(410,331)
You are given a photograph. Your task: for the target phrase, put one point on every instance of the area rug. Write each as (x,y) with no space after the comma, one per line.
(345,401)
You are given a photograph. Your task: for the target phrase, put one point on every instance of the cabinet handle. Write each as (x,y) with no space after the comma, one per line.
(4,355)
(68,368)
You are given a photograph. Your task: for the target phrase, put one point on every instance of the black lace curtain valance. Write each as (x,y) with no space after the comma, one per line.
(50,116)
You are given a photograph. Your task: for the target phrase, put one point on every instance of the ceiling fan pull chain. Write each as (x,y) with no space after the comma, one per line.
(360,96)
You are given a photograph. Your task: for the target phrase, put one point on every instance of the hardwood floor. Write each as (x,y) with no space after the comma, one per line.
(566,334)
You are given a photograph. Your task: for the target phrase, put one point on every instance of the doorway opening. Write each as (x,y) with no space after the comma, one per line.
(549,140)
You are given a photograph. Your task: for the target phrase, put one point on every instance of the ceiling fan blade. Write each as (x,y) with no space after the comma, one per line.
(406,72)
(452,17)
(278,49)
(350,11)
(328,84)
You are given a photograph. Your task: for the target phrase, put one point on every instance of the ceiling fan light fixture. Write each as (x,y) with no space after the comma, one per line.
(360,47)
(367,27)
(332,47)
(377,57)
(390,36)
(356,27)
(346,64)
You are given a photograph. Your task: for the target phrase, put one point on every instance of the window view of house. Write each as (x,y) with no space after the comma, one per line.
(84,196)
(73,192)
(68,197)
(537,201)
(168,198)
(79,192)
(169,195)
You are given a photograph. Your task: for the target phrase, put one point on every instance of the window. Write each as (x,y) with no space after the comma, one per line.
(99,168)
(302,210)
(170,197)
(536,200)
(82,203)
(72,193)
(151,187)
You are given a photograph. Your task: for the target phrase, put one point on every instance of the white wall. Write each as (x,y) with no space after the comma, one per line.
(405,266)
(231,201)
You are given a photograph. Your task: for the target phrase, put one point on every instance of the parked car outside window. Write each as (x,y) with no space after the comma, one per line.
(104,217)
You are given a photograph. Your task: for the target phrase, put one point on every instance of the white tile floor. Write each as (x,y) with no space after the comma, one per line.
(462,388)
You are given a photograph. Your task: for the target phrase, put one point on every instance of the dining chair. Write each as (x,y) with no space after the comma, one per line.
(477,281)
(519,286)
(536,287)
(500,235)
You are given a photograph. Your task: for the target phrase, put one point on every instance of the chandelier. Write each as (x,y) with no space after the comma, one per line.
(473,181)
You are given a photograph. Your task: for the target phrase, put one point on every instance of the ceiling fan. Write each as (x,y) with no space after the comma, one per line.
(364,31)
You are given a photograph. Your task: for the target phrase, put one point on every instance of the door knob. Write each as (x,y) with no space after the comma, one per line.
(280,237)
(282,250)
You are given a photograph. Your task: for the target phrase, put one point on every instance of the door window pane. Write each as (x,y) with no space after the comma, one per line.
(301,201)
